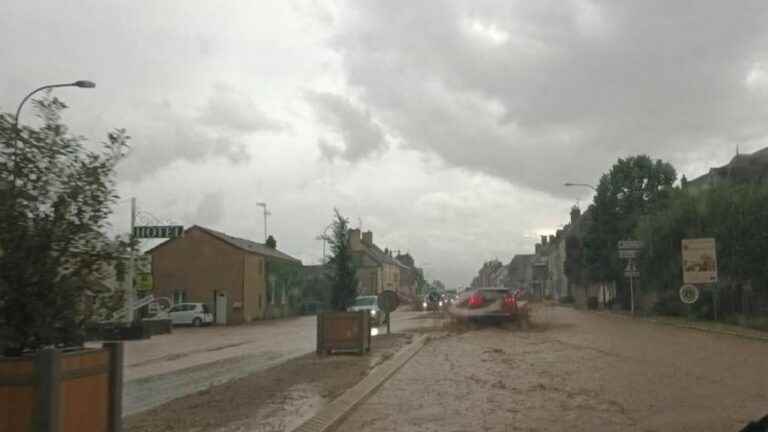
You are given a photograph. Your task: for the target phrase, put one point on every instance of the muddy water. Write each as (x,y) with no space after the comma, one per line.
(574,371)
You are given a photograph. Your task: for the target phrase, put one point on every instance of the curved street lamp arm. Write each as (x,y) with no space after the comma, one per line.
(23,101)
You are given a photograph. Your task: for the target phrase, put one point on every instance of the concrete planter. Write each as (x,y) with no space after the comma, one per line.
(63,391)
(339,332)
(154,327)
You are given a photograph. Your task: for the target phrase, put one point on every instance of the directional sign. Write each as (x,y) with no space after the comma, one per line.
(631,270)
(629,253)
(630,244)
(699,260)
(689,294)
(164,231)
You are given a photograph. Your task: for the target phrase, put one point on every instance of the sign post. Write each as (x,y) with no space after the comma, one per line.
(700,266)
(630,250)
(388,302)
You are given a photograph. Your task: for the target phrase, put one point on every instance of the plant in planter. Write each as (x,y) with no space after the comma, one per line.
(53,212)
(340,330)
(56,193)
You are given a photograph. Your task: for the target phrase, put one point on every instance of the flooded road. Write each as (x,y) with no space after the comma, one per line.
(574,371)
(189,360)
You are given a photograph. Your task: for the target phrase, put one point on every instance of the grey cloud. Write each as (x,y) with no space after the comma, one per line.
(221,130)
(210,210)
(561,89)
(358,133)
(229,109)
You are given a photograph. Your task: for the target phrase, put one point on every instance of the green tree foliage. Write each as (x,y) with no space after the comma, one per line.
(271,242)
(55,196)
(342,266)
(735,215)
(634,187)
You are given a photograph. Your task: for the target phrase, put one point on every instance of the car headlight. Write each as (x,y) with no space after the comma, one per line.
(424,304)
(439,303)
(373,312)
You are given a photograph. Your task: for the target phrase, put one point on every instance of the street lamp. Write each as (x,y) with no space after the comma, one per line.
(569,184)
(266,213)
(17,132)
(80,83)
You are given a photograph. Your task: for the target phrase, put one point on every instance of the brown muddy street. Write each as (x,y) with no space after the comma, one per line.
(575,371)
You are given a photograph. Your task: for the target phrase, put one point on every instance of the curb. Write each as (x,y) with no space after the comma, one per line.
(690,327)
(332,415)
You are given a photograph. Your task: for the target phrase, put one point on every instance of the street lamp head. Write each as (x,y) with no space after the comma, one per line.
(84,84)
(567,184)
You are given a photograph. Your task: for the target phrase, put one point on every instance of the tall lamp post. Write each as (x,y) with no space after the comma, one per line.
(17,131)
(81,84)
(266,213)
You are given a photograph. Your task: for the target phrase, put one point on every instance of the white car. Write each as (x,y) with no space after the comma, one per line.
(196,314)
(370,304)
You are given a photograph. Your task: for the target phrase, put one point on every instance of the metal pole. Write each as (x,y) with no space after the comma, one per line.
(265,223)
(131,263)
(632,294)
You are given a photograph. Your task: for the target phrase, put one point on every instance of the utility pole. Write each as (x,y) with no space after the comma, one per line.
(266,213)
(131,263)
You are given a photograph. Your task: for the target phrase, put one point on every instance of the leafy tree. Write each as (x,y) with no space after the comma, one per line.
(271,242)
(55,197)
(634,187)
(342,266)
(735,215)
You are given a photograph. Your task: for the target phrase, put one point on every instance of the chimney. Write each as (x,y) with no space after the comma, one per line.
(551,239)
(575,214)
(543,240)
(354,240)
(368,238)
(537,248)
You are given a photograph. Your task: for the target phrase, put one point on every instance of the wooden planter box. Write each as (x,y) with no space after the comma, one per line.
(63,391)
(339,332)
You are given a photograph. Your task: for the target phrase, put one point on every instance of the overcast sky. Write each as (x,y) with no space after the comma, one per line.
(446,127)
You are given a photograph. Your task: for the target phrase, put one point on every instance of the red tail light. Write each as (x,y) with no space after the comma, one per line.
(510,301)
(476,300)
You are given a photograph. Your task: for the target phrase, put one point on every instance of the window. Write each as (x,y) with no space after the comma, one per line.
(179,296)
(177,308)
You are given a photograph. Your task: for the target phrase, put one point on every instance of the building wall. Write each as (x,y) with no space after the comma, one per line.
(254,288)
(391,277)
(200,265)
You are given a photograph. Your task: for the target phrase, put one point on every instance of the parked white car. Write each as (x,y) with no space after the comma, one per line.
(196,314)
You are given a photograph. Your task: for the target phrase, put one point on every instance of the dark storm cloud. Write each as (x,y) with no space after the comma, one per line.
(543,92)
(354,126)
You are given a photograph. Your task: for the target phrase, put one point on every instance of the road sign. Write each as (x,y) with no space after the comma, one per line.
(689,294)
(388,301)
(630,244)
(699,260)
(163,231)
(629,253)
(631,270)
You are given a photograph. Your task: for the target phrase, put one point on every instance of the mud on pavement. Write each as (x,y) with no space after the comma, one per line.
(276,399)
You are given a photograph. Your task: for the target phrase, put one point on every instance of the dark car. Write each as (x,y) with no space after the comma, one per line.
(433,301)
(490,305)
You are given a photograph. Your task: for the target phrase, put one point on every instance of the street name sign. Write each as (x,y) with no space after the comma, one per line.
(159,231)
(630,244)
(689,294)
(629,253)
(699,261)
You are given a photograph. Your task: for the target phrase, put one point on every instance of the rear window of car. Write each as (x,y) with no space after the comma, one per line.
(493,294)
(365,301)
